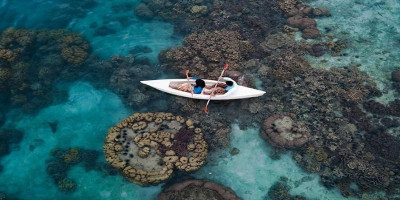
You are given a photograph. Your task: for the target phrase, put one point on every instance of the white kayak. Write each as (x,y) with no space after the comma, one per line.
(237,91)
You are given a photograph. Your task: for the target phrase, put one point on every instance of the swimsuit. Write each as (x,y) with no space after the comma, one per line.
(228,88)
(197,90)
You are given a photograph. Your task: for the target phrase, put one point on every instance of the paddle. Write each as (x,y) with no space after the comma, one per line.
(219,78)
(187,77)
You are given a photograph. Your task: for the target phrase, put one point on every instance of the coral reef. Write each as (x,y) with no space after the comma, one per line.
(252,19)
(283,130)
(67,185)
(72,156)
(170,10)
(240,78)
(279,43)
(205,53)
(393,108)
(147,147)
(197,189)
(328,101)
(301,16)
(125,81)
(74,54)
(64,159)
(280,190)
(29,59)
(350,140)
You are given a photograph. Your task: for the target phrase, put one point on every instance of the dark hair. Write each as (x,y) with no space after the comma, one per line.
(229,83)
(200,83)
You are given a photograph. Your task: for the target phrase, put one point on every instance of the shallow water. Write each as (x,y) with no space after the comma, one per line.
(83,122)
(372,32)
(83,118)
(110,31)
(248,180)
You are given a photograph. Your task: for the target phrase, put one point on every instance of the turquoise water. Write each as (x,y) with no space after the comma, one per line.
(243,174)
(110,26)
(83,118)
(371,32)
(83,122)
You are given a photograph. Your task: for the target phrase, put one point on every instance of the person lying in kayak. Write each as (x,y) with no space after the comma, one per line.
(188,87)
(201,88)
(221,88)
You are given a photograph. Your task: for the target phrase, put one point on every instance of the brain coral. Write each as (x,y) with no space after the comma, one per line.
(148,147)
(282,130)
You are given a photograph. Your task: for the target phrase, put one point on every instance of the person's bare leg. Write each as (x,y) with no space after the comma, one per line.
(185,87)
(213,92)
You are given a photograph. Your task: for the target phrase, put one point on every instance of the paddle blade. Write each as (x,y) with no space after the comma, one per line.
(226,66)
(206,109)
(187,72)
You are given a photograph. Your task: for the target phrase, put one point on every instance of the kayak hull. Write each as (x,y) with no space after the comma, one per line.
(238,92)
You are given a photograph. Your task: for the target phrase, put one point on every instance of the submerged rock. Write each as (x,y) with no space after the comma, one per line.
(283,130)
(148,147)
(199,190)
(234,151)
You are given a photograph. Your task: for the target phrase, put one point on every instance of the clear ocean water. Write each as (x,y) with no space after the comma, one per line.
(371,29)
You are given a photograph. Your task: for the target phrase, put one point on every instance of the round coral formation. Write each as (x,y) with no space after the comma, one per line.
(148,147)
(283,130)
(199,190)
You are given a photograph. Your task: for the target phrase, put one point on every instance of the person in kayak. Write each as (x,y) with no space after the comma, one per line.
(196,88)
(221,88)
(229,85)
(200,85)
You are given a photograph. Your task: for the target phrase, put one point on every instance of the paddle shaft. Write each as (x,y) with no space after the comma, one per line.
(209,99)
